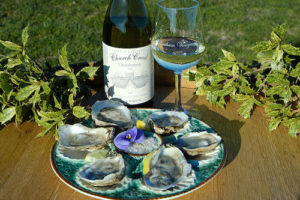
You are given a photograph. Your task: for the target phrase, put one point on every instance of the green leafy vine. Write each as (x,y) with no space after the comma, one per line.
(50,96)
(273,81)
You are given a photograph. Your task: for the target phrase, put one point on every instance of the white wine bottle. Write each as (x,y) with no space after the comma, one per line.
(127,59)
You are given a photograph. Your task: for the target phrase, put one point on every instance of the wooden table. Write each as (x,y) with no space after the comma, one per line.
(260,164)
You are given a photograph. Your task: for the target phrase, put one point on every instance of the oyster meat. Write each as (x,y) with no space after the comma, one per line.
(165,168)
(196,143)
(168,122)
(79,137)
(105,172)
(111,113)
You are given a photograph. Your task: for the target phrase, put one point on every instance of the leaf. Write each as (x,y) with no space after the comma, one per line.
(228,55)
(12,63)
(223,67)
(11,45)
(245,88)
(274,123)
(275,78)
(280,31)
(241,97)
(296,72)
(57,104)
(287,111)
(273,106)
(259,103)
(265,57)
(258,82)
(87,72)
(189,75)
(19,116)
(212,97)
(291,50)
(286,95)
(73,78)
(51,116)
(296,89)
(263,46)
(214,80)
(7,114)
(221,102)
(62,73)
(275,38)
(10,55)
(225,91)
(63,60)
(294,128)
(9,95)
(46,88)
(25,92)
(275,90)
(205,71)
(71,100)
(36,97)
(80,112)
(235,70)
(278,55)
(201,91)
(46,129)
(5,82)
(25,36)
(246,108)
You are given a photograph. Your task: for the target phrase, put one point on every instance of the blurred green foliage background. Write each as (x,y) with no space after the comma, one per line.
(234,25)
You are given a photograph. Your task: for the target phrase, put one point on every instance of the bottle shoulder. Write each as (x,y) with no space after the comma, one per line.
(136,32)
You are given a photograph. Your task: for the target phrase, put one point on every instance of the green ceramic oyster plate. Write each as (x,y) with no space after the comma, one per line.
(131,186)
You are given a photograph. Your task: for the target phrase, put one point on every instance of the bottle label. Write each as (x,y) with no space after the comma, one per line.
(128,74)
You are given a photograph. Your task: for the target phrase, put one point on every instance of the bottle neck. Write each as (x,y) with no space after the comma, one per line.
(127,8)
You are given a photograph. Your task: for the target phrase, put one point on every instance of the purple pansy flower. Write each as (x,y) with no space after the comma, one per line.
(123,140)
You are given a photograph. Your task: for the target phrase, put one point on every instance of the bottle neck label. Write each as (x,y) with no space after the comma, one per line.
(128,74)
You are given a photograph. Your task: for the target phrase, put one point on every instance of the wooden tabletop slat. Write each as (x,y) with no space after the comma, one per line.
(260,164)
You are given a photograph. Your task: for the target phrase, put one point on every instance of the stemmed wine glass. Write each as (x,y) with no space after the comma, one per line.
(177,41)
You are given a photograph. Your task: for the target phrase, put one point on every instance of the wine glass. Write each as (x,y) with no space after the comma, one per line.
(177,41)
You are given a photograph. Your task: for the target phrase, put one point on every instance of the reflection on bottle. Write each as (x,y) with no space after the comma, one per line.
(123,80)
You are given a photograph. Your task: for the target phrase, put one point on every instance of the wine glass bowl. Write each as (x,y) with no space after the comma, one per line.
(177,41)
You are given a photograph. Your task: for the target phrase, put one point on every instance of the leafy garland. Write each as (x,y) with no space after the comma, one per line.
(52,96)
(49,96)
(273,82)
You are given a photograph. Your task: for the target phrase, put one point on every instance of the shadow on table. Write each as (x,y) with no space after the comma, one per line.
(227,129)
(159,98)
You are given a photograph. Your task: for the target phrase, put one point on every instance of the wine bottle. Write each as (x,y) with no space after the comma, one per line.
(127,59)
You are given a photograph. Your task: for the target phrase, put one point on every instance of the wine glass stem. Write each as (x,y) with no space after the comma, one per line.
(178,106)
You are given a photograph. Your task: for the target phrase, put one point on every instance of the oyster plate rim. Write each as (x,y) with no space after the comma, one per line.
(185,191)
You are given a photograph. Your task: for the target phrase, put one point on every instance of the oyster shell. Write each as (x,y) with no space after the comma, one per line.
(165,168)
(79,137)
(168,122)
(105,172)
(196,143)
(111,113)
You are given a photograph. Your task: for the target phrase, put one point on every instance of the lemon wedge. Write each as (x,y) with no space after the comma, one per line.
(96,155)
(142,125)
(146,163)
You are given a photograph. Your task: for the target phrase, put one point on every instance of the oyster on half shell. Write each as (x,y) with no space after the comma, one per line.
(168,122)
(105,172)
(111,113)
(196,143)
(165,168)
(79,137)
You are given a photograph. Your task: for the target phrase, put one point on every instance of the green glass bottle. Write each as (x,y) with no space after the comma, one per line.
(127,58)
